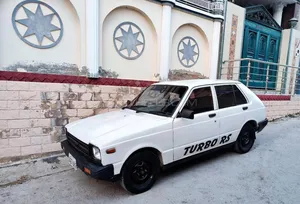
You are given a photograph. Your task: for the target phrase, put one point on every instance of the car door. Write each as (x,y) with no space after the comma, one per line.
(232,107)
(192,136)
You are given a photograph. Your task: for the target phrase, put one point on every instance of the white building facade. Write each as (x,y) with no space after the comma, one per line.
(64,60)
(125,39)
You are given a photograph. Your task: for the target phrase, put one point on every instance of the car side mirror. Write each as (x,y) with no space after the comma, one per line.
(186,113)
(128,102)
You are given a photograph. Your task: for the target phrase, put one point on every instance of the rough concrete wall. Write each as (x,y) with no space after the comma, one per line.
(32,114)
(182,74)
(278,109)
(46,68)
(55,68)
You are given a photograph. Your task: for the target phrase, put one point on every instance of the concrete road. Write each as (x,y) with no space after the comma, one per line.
(269,173)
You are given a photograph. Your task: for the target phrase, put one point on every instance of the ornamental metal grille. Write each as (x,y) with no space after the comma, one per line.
(215,7)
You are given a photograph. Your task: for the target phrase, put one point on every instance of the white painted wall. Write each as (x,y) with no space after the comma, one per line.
(233,9)
(203,63)
(215,45)
(92,40)
(148,15)
(165,42)
(293,60)
(79,7)
(146,65)
(285,36)
(13,49)
(201,29)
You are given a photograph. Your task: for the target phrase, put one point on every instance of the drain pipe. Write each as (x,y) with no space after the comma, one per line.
(221,47)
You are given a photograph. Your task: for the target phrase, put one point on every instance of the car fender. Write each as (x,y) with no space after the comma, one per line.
(118,166)
(139,147)
(247,121)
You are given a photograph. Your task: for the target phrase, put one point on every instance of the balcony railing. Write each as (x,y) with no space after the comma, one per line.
(262,76)
(215,7)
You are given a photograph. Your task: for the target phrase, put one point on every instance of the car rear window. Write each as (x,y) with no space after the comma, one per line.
(229,95)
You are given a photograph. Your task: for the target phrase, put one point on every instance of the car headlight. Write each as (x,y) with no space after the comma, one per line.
(96,153)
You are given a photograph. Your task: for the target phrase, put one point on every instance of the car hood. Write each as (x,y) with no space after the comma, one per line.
(122,122)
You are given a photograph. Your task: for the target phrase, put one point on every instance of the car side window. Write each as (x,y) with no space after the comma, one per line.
(200,100)
(239,97)
(225,96)
(229,95)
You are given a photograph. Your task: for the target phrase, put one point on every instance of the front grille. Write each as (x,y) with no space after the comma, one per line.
(78,145)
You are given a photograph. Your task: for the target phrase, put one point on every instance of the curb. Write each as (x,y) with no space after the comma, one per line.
(31,160)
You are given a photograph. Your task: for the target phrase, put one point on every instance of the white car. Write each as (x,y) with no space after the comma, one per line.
(167,122)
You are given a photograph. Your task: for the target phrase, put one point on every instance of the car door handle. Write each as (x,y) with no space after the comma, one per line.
(212,115)
(245,108)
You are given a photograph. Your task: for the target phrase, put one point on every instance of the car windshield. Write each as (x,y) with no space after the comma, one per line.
(158,99)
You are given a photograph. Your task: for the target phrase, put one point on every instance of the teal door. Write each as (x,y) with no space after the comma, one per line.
(262,43)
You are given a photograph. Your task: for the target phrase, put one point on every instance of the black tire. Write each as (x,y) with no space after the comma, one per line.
(140,172)
(245,139)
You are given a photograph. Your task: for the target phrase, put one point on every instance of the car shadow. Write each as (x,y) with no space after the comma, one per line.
(181,168)
(199,160)
(114,189)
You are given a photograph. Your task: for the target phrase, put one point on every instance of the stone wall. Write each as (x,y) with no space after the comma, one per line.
(32,114)
(278,109)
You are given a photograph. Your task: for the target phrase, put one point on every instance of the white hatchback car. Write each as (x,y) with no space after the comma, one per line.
(167,122)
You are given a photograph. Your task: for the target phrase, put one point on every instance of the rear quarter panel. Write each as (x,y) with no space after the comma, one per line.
(256,108)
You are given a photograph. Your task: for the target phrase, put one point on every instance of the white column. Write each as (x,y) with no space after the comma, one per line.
(165,41)
(297,15)
(215,50)
(277,12)
(92,37)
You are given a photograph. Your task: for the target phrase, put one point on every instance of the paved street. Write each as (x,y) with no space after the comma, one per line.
(270,173)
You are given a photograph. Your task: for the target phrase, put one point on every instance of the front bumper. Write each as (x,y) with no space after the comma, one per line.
(97,171)
(262,125)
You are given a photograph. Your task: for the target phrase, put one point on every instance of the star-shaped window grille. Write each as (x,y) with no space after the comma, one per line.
(129,40)
(37,24)
(188,51)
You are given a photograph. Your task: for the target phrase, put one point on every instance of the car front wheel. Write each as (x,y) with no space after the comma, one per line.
(245,139)
(140,172)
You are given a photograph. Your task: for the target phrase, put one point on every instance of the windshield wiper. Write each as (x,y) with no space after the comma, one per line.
(152,112)
(133,107)
(138,106)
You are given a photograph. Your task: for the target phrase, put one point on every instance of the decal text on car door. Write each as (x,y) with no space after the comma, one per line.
(204,145)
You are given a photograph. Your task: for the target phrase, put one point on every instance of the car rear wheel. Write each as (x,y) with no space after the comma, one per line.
(245,139)
(140,172)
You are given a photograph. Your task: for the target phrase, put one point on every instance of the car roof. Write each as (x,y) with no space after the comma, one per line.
(196,82)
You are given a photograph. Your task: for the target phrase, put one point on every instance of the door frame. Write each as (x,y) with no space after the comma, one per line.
(188,93)
(181,106)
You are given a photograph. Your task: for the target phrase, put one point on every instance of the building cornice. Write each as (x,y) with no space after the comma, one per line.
(167,2)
